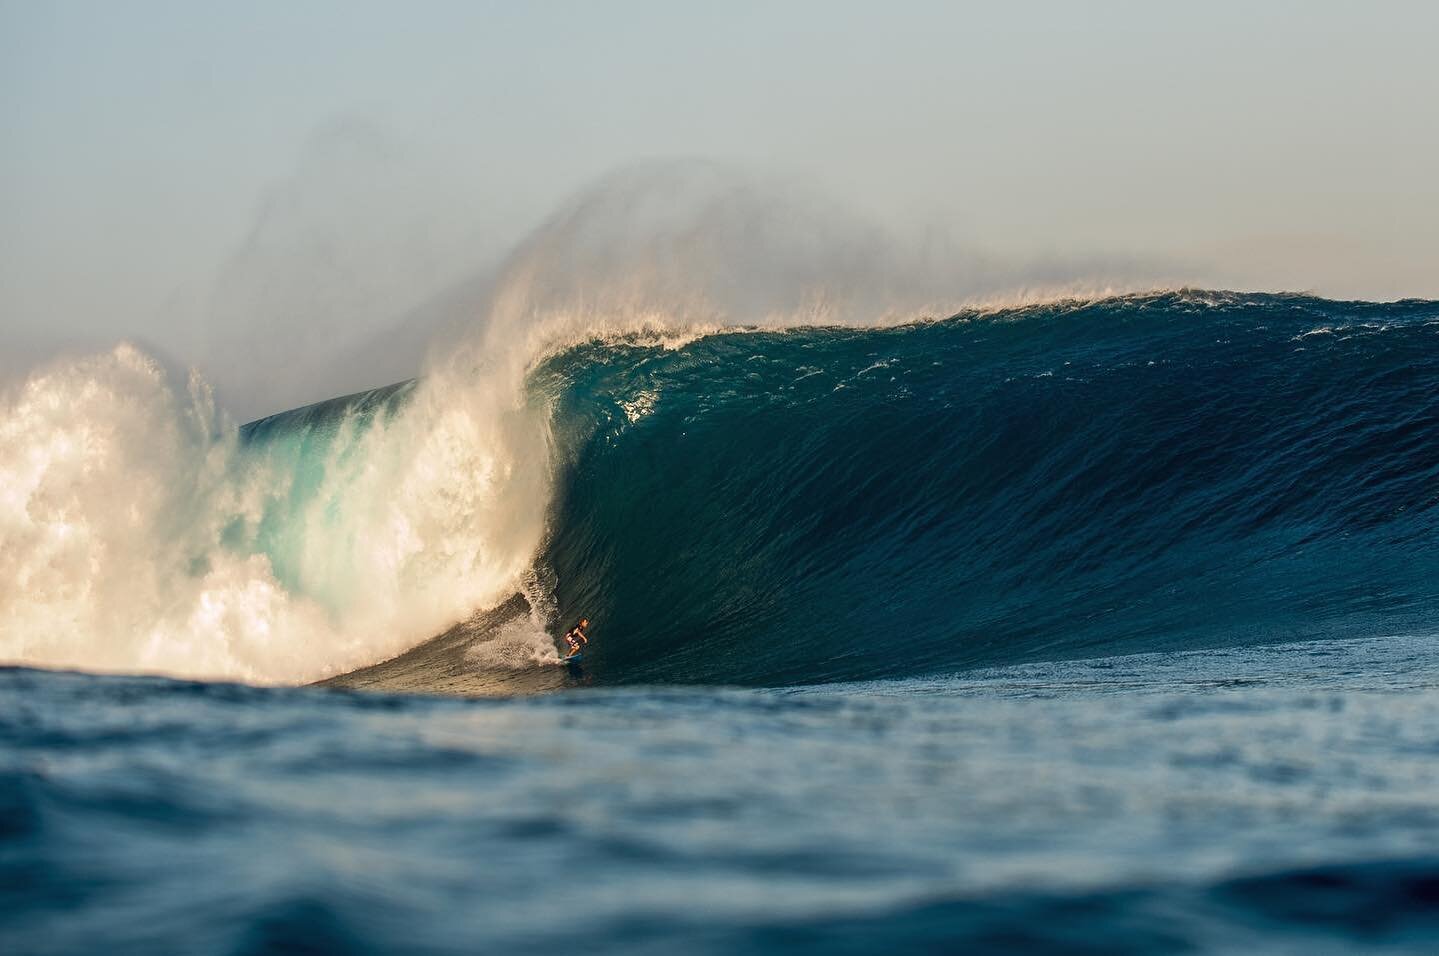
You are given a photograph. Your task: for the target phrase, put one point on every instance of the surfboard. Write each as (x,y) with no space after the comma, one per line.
(574,659)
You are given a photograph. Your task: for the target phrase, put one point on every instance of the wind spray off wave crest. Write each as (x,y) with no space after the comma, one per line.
(670,250)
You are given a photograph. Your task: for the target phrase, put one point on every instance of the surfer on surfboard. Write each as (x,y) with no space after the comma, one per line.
(575,637)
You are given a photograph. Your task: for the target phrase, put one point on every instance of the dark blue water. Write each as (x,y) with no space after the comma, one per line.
(1264,799)
(1102,627)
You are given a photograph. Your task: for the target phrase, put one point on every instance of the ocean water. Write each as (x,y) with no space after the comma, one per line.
(1278,799)
(1104,626)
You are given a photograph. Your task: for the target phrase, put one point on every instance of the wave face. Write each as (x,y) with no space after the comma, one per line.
(1182,470)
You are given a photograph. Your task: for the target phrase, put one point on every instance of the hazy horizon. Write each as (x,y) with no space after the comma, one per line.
(290,198)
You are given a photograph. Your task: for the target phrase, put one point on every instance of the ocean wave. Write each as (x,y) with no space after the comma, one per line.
(772,504)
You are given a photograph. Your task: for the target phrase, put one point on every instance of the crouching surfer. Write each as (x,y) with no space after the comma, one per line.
(575,638)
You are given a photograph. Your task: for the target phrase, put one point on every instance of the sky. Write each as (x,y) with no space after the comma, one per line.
(270,183)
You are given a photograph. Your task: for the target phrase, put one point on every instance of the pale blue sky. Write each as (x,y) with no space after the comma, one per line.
(1280,144)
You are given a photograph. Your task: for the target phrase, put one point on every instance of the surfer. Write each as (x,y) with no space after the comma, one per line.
(575,636)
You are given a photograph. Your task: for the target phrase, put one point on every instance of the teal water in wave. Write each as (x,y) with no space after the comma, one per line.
(1094,627)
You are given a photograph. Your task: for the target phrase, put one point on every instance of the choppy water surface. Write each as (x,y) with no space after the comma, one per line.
(1284,798)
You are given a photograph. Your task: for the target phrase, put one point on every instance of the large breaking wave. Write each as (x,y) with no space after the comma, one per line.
(1136,473)
(140,530)
(698,411)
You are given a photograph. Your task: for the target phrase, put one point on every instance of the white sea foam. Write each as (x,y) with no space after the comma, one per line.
(130,522)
